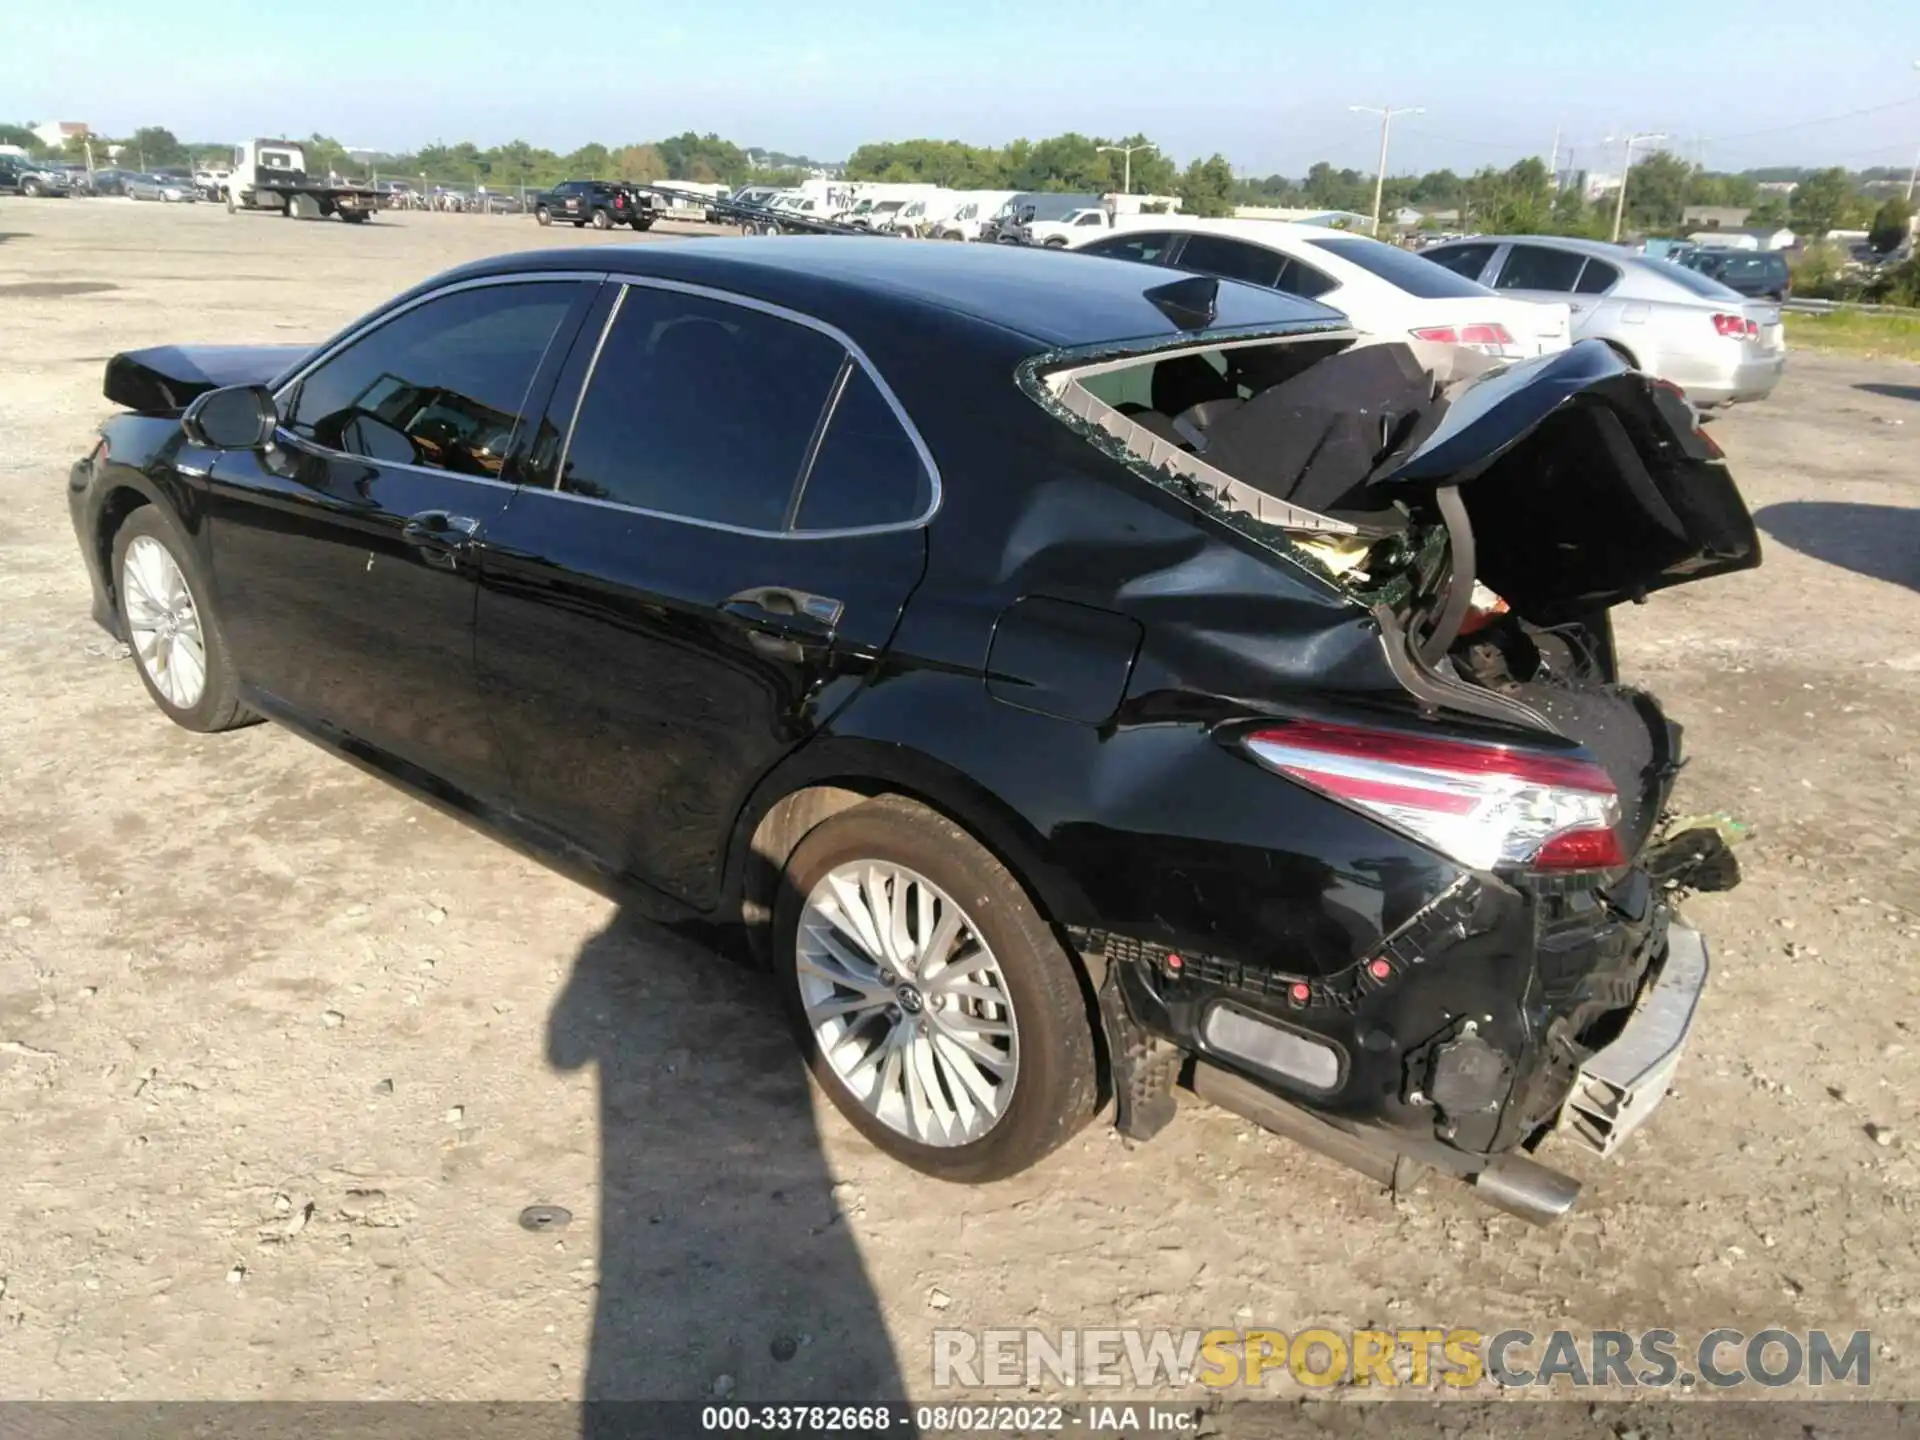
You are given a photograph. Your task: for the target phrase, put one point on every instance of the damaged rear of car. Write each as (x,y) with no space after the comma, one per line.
(1479,940)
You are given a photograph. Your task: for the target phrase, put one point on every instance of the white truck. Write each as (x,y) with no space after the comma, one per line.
(1074,228)
(272,175)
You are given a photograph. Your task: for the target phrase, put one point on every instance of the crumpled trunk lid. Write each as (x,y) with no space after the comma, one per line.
(1587,484)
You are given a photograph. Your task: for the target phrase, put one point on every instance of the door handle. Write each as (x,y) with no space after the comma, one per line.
(785,624)
(440,537)
(781,608)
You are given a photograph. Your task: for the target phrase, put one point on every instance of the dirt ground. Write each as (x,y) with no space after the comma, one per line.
(284,1054)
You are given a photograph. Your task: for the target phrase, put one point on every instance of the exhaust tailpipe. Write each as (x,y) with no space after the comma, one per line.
(1513,1183)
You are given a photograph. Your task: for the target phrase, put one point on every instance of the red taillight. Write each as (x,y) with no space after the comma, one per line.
(1736,327)
(1581,850)
(1485,335)
(1487,806)
(1489,339)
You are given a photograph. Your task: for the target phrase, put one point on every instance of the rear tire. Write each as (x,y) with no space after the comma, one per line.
(542,215)
(602,220)
(1021,984)
(166,661)
(30,188)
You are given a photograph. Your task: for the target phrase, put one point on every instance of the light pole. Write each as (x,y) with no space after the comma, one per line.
(1126,185)
(1620,200)
(1913,174)
(1386,114)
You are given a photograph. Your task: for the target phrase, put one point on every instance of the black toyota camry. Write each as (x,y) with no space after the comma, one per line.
(1077,679)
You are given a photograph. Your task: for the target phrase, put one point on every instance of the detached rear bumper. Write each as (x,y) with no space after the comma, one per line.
(1625,1081)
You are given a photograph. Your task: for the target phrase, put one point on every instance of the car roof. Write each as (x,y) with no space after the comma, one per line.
(1578,246)
(857,282)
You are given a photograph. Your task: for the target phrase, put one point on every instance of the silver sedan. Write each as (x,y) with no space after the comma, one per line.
(1715,344)
(170,189)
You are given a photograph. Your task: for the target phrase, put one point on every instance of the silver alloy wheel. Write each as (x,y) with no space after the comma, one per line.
(165,625)
(907,1002)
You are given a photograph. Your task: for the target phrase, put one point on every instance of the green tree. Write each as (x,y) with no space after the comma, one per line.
(644,165)
(589,162)
(1820,200)
(1659,188)
(1769,211)
(155,147)
(1206,189)
(23,137)
(1891,223)
(701,157)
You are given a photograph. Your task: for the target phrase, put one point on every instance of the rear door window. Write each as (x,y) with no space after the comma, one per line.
(868,471)
(1467,260)
(1536,267)
(1597,278)
(1150,248)
(700,409)
(1232,260)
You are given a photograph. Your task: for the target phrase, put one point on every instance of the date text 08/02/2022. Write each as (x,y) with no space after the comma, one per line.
(1093,1419)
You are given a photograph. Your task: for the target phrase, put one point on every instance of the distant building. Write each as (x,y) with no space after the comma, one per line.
(1715,217)
(1778,187)
(1592,184)
(55,133)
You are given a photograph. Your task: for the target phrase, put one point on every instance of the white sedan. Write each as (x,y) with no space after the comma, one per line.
(1382,289)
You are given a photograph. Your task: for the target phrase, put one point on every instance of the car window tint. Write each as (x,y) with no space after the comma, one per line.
(1300,278)
(1467,260)
(1232,260)
(1402,269)
(441,385)
(1597,278)
(701,409)
(868,472)
(1535,267)
(1148,248)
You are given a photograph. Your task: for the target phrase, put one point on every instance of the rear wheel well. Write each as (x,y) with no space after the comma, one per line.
(791,818)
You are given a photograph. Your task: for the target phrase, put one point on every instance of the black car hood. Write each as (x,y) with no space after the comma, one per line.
(168,378)
(1587,483)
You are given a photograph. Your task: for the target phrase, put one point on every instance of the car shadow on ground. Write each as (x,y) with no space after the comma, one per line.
(1892,392)
(723,1252)
(1880,541)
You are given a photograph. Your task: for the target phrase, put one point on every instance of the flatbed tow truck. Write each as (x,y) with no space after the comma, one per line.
(272,175)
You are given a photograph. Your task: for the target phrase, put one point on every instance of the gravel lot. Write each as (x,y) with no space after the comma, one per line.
(284,1054)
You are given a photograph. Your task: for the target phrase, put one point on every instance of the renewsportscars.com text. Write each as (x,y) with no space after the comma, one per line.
(1454,1358)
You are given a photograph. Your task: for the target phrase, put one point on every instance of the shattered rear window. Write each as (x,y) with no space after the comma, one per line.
(1275,436)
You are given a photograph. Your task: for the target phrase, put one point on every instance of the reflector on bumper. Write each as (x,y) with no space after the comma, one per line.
(1305,1061)
(1622,1084)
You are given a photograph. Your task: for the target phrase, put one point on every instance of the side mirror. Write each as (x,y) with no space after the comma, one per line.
(239,417)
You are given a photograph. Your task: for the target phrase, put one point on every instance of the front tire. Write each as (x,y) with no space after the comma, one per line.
(30,188)
(932,1002)
(167,620)
(542,215)
(602,220)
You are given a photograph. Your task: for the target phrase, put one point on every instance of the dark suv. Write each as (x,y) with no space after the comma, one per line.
(599,203)
(21,176)
(1761,274)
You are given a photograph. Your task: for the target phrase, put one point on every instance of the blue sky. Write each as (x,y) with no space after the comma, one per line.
(1266,82)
